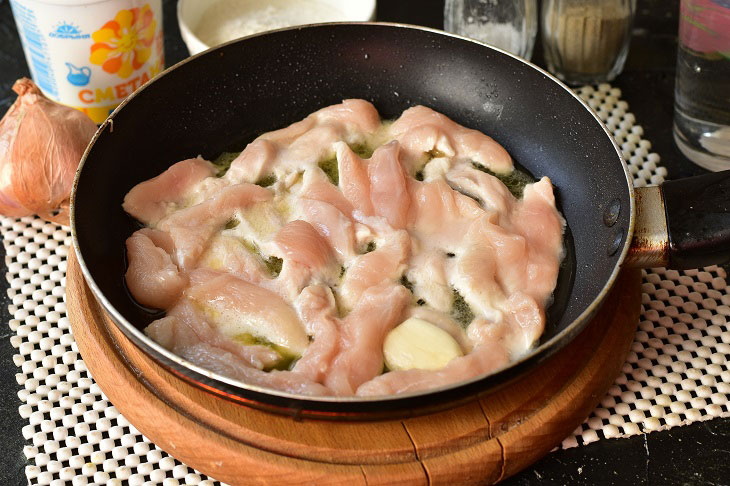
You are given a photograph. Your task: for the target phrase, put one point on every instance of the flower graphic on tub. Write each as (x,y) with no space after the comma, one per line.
(124,44)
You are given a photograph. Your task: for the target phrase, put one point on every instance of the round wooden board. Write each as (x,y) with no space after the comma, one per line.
(480,442)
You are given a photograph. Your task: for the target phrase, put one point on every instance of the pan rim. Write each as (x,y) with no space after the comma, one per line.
(532,357)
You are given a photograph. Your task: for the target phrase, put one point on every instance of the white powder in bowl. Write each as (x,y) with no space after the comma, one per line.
(226,20)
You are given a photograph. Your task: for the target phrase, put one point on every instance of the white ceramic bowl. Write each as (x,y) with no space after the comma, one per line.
(190,13)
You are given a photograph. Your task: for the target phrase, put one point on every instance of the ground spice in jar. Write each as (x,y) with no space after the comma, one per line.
(586,41)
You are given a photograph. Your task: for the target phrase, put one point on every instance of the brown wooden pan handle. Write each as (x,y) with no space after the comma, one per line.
(683,223)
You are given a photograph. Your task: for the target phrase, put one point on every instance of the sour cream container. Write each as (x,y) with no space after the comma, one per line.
(89,54)
(207,24)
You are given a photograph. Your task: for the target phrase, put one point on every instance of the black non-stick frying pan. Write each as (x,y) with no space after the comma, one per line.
(222,99)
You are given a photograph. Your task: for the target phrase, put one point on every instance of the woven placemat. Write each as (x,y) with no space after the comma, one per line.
(676,373)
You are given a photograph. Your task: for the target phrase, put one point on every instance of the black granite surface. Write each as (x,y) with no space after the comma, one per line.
(697,454)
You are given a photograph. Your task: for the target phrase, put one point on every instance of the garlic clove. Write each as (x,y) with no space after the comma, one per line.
(417,343)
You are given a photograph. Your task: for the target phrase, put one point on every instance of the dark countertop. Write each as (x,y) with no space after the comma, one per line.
(694,454)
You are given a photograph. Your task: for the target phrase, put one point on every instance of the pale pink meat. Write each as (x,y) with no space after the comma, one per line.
(191,228)
(363,331)
(186,333)
(300,242)
(241,307)
(152,278)
(488,189)
(253,163)
(149,201)
(185,326)
(317,308)
(442,214)
(335,298)
(331,223)
(319,188)
(482,360)
(228,254)
(420,129)
(388,186)
(354,180)
(385,263)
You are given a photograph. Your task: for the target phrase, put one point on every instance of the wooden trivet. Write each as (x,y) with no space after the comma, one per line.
(481,442)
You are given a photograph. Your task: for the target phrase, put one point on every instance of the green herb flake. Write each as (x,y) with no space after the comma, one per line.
(329,167)
(406,283)
(266,181)
(419,175)
(287,360)
(274,265)
(232,223)
(460,310)
(515,180)
(223,162)
(362,150)
(371,247)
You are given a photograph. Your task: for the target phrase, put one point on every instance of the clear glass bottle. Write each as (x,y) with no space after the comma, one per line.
(586,41)
(508,24)
(702,88)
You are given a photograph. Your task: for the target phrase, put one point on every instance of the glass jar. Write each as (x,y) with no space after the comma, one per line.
(508,24)
(586,41)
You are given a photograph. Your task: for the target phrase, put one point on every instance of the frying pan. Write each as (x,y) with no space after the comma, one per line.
(223,98)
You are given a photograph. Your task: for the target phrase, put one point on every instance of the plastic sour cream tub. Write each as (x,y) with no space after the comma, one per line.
(206,24)
(88,54)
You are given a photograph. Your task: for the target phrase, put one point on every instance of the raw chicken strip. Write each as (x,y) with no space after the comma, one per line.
(186,333)
(300,242)
(354,180)
(185,326)
(317,186)
(152,278)
(237,308)
(331,223)
(483,359)
(388,187)
(361,356)
(421,129)
(317,308)
(386,263)
(253,163)
(191,228)
(491,192)
(228,254)
(150,201)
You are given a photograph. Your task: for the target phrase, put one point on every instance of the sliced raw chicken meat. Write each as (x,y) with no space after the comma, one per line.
(421,130)
(488,189)
(317,308)
(354,179)
(186,333)
(385,263)
(388,186)
(331,223)
(253,163)
(152,278)
(152,200)
(191,228)
(242,310)
(295,286)
(360,358)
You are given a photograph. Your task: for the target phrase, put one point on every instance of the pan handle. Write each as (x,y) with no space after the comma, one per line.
(683,223)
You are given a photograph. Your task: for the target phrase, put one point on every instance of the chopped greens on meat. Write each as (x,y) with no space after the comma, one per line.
(515,180)
(329,167)
(223,162)
(460,310)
